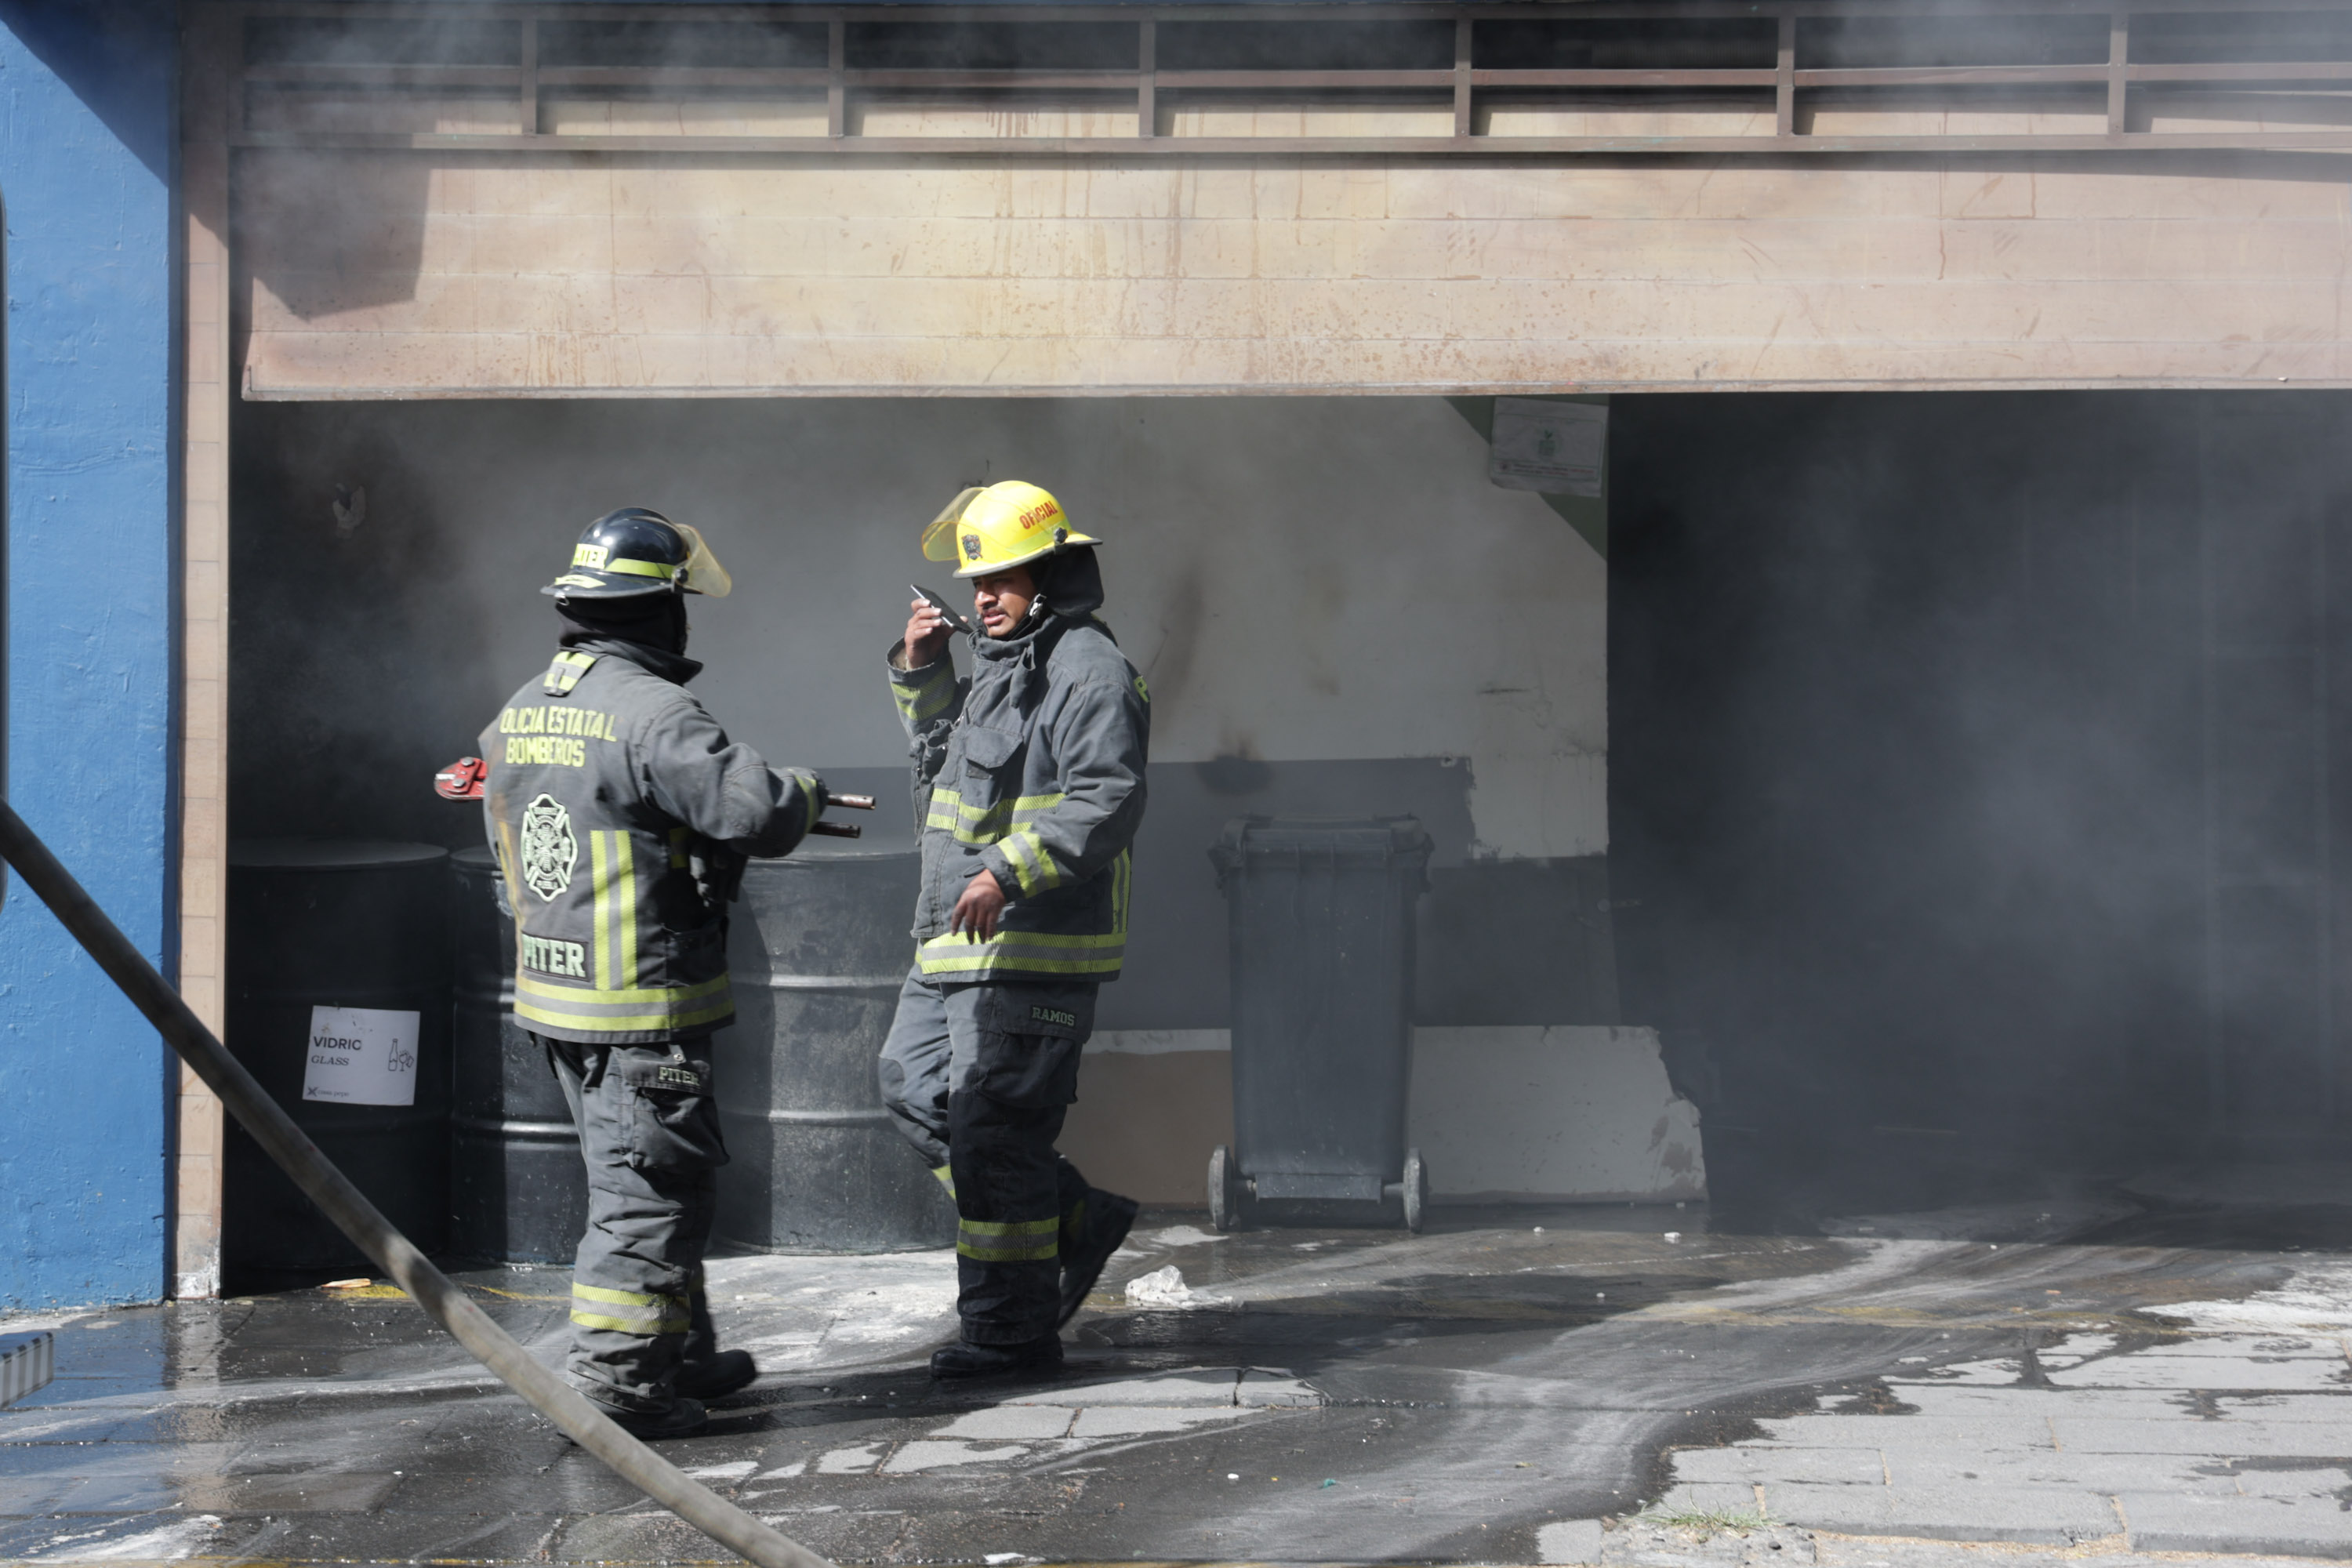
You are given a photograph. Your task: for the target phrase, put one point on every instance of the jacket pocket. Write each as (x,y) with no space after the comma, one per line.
(669,1117)
(988,753)
(992,778)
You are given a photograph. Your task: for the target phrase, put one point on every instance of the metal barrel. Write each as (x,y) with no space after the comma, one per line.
(518,1192)
(819,948)
(339,1005)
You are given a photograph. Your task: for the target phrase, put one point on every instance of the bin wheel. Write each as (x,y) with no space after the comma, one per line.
(1225,1192)
(1416,1191)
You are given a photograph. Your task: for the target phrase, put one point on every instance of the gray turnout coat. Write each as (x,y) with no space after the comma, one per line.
(1032,769)
(621,813)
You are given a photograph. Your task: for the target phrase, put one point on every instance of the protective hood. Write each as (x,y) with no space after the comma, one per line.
(1069,590)
(656,621)
(1071,584)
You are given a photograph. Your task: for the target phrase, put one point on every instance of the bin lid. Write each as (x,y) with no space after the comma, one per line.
(1379,839)
(329,854)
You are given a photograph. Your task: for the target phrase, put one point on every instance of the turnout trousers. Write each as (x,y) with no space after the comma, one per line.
(977,1077)
(649,1134)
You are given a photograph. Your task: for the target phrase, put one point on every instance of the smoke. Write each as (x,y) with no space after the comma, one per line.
(1968,766)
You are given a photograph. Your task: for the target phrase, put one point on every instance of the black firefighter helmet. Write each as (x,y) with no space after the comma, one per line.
(636,551)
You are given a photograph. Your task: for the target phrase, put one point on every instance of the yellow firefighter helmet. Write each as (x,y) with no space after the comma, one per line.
(1008,523)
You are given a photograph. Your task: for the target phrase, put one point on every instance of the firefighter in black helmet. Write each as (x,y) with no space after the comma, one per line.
(621,813)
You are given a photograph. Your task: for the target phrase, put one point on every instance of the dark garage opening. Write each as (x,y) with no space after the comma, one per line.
(1973,782)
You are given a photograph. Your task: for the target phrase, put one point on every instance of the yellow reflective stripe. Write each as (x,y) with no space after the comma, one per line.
(1023,805)
(1048,873)
(947,795)
(919,701)
(1017,856)
(1009,1241)
(608,1024)
(1027,1252)
(984,957)
(1009,1227)
(649,1327)
(506,870)
(624,916)
(933,696)
(650,1312)
(642,569)
(983,826)
(600,881)
(625,1297)
(1035,939)
(947,1178)
(677,849)
(530,984)
(565,672)
(1031,862)
(1122,880)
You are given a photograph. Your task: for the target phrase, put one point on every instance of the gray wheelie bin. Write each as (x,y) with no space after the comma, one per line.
(1322,914)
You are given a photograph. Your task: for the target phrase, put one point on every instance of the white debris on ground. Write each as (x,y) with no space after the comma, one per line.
(169,1544)
(1165,1287)
(1182,1235)
(2317,1300)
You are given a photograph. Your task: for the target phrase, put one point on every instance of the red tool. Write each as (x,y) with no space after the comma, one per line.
(461,780)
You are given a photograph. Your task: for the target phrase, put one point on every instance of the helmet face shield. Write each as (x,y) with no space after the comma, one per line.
(702,573)
(939,538)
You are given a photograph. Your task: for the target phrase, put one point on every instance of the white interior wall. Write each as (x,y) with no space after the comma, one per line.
(1500,1113)
(1299,579)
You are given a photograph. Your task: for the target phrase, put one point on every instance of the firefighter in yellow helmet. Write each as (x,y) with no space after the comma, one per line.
(1029,785)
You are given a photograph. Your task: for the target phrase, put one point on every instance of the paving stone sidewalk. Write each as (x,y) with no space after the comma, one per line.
(2226,1427)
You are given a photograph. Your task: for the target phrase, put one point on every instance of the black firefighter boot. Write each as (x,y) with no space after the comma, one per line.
(684,1418)
(964,1358)
(707,1372)
(1094,1224)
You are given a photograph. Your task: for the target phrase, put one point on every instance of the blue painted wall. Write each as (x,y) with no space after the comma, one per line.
(88,113)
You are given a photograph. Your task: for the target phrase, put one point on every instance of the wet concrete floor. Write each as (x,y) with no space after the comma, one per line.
(1482,1392)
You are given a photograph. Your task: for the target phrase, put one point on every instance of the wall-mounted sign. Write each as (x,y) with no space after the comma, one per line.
(1555,447)
(361,1055)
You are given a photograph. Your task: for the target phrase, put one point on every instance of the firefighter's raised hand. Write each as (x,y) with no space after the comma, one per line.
(977,911)
(927,635)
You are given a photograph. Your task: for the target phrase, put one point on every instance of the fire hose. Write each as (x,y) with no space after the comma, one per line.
(357,1218)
